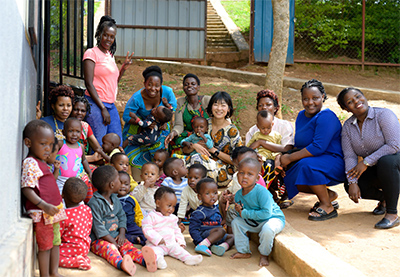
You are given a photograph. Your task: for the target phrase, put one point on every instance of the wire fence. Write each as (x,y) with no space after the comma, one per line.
(348,32)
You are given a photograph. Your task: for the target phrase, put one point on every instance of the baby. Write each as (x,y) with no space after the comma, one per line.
(205,223)
(162,232)
(111,142)
(258,213)
(200,133)
(75,231)
(121,163)
(160,156)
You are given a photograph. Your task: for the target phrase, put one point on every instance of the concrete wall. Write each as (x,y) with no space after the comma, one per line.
(18,85)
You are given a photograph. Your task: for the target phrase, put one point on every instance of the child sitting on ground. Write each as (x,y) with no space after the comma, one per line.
(109,225)
(121,163)
(162,232)
(75,231)
(160,156)
(200,133)
(258,213)
(176,171)
(205,223)
(134,215)
(189,196)
(111,142)
(51,161)
(144,192)
(42,199)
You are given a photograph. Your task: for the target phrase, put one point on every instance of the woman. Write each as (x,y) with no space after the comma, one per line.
(101,79)
(225,137)
(373,134)
(61,99)
(317,161)
(187,107)
(152,95)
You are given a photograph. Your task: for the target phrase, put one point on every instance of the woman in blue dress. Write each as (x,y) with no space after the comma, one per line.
(317,160)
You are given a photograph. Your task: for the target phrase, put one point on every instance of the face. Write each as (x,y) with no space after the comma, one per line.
(220,109)
(265,125)
(200,125)
(150,173)
(243,156)
(62,108)
(53,155)
(116,184)
(179,165)
(158,113)
(194,176)
(79,110)
(356,103)
(266,104)
(190,86)
(208,194)
(107,37)
(108,145)
(312,100)
(166,205)
(73,132)
(159,159)
(152,86)
(125,185)
(247,176)
(41,143)
(121,163)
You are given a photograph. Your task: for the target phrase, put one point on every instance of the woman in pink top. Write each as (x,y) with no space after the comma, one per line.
(101,79)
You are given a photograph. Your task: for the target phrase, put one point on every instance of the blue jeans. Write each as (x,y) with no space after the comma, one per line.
(266,230)
(95,120)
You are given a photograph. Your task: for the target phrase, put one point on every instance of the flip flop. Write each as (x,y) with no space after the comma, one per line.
(323,215)
(285,204)
(150,258)
(334,203)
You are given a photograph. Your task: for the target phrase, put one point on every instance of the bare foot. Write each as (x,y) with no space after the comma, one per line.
(238,255)
(128,266)
(56,275)
(264,260)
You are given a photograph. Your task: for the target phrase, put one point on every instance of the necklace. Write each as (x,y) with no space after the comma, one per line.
(59,135)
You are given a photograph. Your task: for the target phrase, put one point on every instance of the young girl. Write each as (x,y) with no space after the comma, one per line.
(51,161)
(42,199)
(162,232)
(159,159)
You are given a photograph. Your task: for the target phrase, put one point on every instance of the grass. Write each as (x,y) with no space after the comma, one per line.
(239,12)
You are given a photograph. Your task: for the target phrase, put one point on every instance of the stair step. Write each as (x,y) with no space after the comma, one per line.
(221,49)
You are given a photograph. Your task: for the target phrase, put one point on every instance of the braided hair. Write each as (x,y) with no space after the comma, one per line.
(315,83)
(106,21)
(83,100)
(270,94)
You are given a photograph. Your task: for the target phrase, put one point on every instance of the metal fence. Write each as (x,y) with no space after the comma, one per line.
(348,32)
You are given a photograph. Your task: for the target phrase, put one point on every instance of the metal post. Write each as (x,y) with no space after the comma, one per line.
(60,47)
(90,23)
(363,36)
(46,42)
(68,35)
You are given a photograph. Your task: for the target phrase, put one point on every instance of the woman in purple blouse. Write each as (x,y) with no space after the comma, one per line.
(373,134)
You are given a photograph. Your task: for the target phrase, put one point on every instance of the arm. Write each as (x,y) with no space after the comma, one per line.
(139,192)
(95,145)
(56,172)
(85,163)
(132,106)
(194,226)
(264,212)
(138,213)
(183,204)
(98,227)
(31,195)
(125,65)
(178,235)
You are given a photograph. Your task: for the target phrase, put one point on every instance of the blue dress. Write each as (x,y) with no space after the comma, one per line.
(321,136)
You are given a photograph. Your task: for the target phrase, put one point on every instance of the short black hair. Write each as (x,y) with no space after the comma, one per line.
(124,173)
(153,70)
(200,183)
(201,167)
(151,163)
(315,83)
(167,115)
(55,144)
(167,167)
(116,156)
(162,150)
(265,114)
(220,96)
(102,176)
(342,94)
(114,138)
(252,162)
(161,191)
(199,118)
(74,187)
(68,122)
(33,127)
(82,99)
(190,75)
(241,150)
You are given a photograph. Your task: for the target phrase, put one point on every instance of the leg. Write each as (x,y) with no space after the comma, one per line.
(79,261)
(178,252)
(323,196)
(95,120)
(54,260)
(129,249)
(107,251)
(115,124)
(44,239)
(216,234)
(240,228)
(267,234)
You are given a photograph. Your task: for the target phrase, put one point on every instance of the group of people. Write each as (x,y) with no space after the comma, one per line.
(79,192)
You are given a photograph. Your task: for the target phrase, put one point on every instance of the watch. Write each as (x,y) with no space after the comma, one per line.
(215,154)
(365,162)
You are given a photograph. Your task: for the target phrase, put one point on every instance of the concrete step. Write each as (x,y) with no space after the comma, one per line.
(217,32)
(221,49)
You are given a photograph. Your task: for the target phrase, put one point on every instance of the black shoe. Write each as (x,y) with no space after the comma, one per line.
(379,210)
(385,223)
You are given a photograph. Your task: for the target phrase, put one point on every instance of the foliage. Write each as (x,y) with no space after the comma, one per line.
(239,12)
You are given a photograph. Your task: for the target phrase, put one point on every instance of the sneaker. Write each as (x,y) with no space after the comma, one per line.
(202,249)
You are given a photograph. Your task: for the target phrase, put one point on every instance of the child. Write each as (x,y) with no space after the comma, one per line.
(51,161)
(111,143)
(162,232)
(121,163)
(75,231)
(144,192)
(189,193)
(109,225)
(200,132)
(42,198)
(132,211)
(205,223)
(160,156)
(150,126)
(71,154)
(258,213)
(176,171)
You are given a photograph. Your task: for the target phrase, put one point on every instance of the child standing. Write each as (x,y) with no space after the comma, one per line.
(200,133)
(42,198)
(160,156)
(51,161)
(144,192)
(162,232)
(205,223)
(258,213)
(121,163)
(75,231)
(134,215)
(109,225)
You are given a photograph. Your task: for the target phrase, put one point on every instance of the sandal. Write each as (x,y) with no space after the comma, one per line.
(334,203)
(380,209)
(285,204)
(323,215)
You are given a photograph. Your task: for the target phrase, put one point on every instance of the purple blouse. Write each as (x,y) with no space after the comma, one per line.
(380,136)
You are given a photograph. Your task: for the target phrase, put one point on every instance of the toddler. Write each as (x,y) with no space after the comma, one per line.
(42,199)
(162,232)
(75,231)
(189,196)
(200,133)
(51,161)
(144,192)
(109,225)
(111,142)
(132,211)
(205,223)
(258,213)
(121,163)
(176,171)
(160,156)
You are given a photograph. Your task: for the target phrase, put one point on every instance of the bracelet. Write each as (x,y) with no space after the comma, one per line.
(215,154)
(41,200)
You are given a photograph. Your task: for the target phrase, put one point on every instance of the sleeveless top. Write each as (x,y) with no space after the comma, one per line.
(71,160)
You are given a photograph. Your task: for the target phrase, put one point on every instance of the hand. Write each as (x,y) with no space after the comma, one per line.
(164,126)
(285,160)
(120,239)
(202,143)
(106,116)
(48,208)
(128,60)
(183,246)
(200,149)
(162,241)
(239,208)
(357,171)
(182,227)
(133,116)
(165,102)
(96,156)
(255,144)
(148,182)
(354,192)
(38,111)
(57,164)
(121,149)
(170,137)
